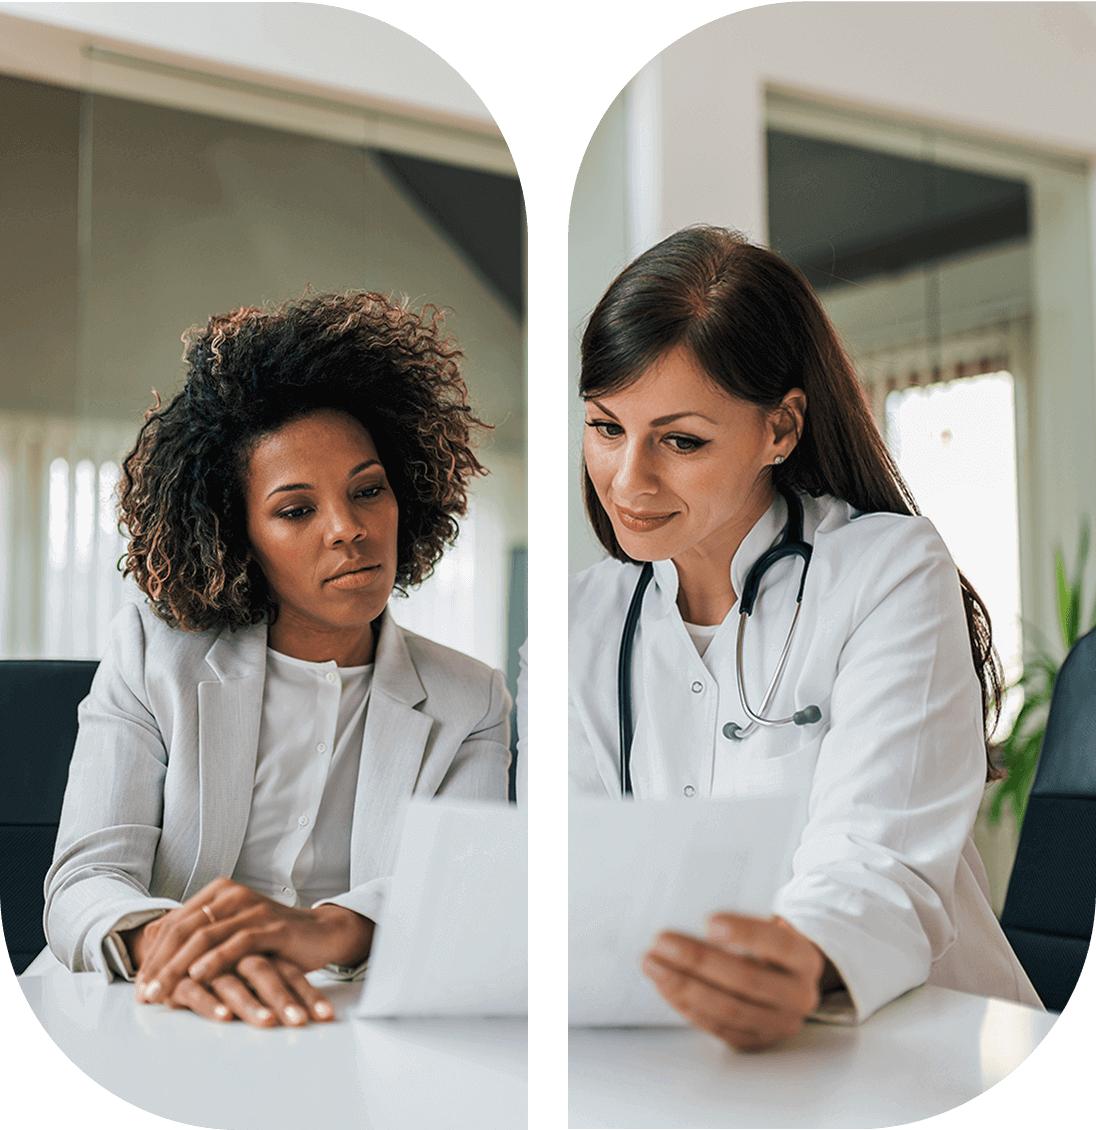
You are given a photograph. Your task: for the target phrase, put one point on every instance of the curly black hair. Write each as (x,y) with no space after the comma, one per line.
(249,373)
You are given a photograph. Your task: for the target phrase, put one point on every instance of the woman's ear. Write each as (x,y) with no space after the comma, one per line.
(789,422)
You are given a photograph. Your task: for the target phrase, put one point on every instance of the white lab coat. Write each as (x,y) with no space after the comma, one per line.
(885,878)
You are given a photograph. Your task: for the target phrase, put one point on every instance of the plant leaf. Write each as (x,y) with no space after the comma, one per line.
(1063,595)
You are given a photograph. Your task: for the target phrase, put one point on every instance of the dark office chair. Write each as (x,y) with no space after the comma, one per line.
(38,700)
(513,786)
(1051,898)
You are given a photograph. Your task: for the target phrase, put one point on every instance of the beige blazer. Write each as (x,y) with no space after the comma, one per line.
(159,788)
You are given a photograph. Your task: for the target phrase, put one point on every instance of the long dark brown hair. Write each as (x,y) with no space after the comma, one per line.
(757,329)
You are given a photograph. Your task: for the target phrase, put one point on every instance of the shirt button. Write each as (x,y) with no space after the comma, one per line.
(303,821)
(321,747)
(689,790)
(698,686)
(287,891)
(330,676)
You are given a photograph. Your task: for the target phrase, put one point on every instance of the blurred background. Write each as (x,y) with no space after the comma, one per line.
(929,166)
(165,162)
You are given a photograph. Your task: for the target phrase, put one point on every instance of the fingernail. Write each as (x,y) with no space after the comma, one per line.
(322,1008)
(262,1014)
(295,1015)
(198,970)
(221,1012)
(654,970)
(152,990)
(666,947)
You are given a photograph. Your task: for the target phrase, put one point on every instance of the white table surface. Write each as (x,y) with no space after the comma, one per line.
(921,1055)
(387,1074)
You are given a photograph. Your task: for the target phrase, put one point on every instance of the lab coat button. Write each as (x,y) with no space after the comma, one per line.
(689,790)
(330,676)
(303,821)
(698,686)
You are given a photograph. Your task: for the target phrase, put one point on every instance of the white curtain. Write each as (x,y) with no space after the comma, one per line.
(59,541)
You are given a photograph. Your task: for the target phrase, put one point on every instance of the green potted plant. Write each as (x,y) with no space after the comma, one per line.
(1018,751)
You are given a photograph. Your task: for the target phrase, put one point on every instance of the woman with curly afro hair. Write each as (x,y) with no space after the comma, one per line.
(256,724)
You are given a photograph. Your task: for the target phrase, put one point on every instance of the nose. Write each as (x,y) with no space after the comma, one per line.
(634,477)
(345,523)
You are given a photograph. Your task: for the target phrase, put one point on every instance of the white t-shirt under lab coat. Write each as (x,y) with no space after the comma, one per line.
(885,878)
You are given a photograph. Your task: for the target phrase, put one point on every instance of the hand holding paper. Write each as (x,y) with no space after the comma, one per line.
(752,983)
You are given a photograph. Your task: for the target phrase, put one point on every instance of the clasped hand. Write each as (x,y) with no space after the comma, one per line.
(230,951)
(751,983)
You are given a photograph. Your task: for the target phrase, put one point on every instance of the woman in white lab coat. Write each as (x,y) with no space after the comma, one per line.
(717,396)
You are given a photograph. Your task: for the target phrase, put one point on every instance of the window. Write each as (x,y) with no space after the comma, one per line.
(954,444)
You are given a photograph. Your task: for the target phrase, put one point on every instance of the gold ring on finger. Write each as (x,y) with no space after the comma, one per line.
(209,914)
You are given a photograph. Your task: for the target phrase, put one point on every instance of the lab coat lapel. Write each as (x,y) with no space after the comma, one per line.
(392,752)
(229,714)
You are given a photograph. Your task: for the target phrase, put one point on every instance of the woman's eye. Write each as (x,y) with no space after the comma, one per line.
(298,512)
(684,444)
(607,428)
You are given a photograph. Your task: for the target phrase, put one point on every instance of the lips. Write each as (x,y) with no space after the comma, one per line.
(350,568)
(643,523)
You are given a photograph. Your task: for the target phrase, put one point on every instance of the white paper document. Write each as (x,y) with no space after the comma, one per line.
(453,934)
(641,867)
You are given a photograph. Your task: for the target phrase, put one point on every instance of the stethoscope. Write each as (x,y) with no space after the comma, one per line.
(791,544)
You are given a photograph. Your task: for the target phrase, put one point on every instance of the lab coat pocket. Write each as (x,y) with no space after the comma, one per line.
(783,773)
(774,769)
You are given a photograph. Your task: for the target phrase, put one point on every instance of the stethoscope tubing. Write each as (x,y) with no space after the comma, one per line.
(756,719)
(624,677)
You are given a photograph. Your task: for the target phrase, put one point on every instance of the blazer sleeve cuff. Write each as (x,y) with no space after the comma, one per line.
(104,949)
(115,951)
(366,900)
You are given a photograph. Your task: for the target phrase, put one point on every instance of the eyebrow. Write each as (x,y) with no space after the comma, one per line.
(308,486)
(662,420)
